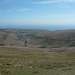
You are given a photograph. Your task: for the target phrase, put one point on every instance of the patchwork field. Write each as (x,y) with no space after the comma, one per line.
(32,61)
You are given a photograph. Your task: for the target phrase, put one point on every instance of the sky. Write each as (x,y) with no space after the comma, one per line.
(45,14)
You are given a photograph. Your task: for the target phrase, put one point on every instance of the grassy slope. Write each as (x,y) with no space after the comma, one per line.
(44,39)
(64,35)
(16,36)
(55,38)
(14,61)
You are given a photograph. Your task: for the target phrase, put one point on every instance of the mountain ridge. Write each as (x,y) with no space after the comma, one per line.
(37,38)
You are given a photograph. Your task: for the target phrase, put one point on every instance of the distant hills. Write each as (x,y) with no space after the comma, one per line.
(37,38)
(16,37)
(56,38)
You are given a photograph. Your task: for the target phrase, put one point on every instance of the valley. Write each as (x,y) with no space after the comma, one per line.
(45,53)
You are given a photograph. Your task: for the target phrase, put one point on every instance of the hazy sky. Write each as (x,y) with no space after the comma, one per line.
(37,12)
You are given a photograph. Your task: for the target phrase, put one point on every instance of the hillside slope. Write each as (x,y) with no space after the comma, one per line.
(63,35)
(55,38)
(16,37)
(37,38)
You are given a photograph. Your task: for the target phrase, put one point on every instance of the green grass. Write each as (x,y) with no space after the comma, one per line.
(18,62)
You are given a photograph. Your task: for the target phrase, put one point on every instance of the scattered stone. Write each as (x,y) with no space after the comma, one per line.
(30,66)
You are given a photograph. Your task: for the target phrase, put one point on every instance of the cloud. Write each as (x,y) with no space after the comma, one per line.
(15,10)
(23,9)
(68,0)
(45,2)
(52,1)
